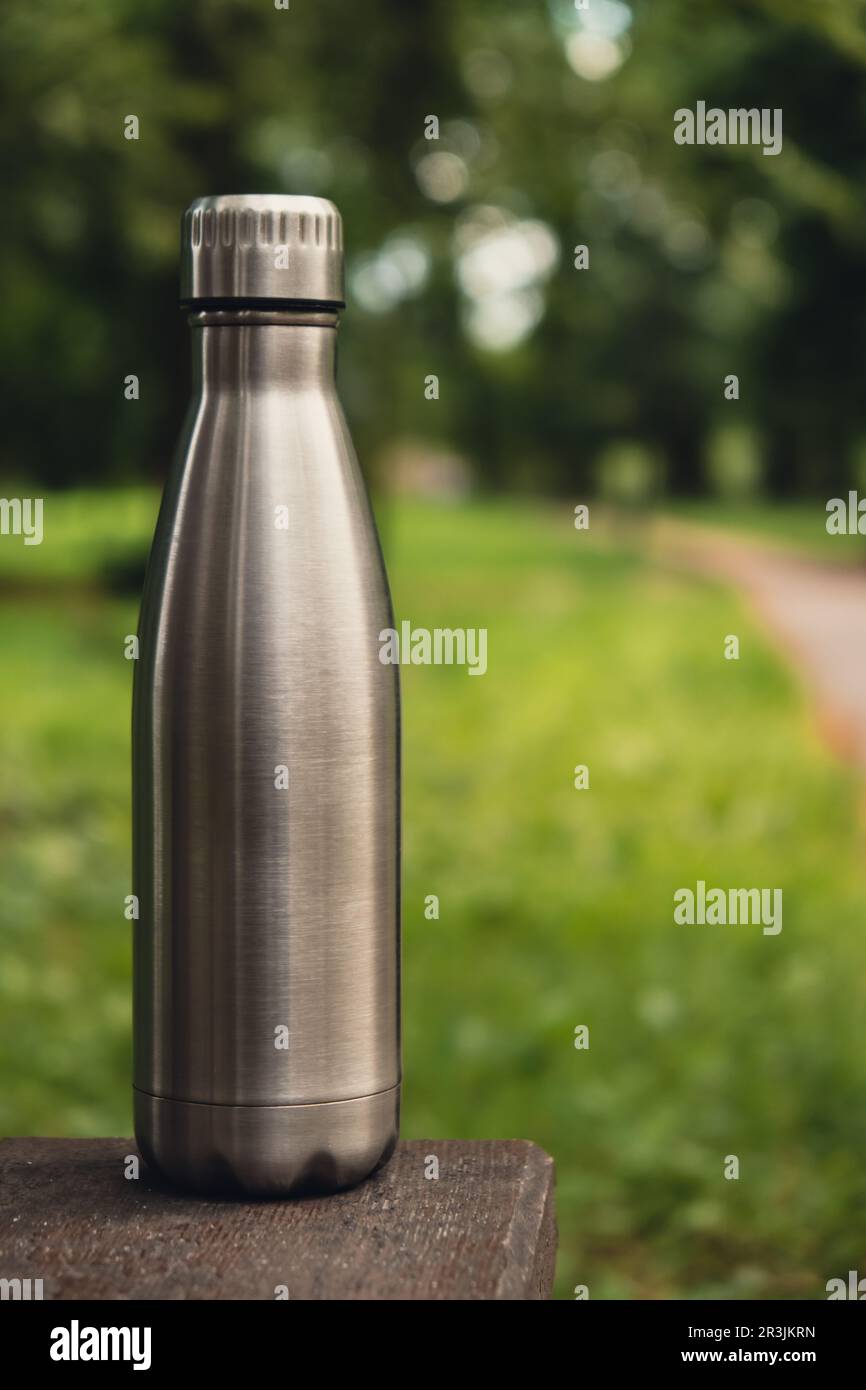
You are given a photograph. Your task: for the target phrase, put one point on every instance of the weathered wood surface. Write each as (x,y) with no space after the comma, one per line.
(485,1229)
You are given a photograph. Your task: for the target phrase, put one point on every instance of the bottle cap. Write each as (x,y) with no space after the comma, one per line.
(262,248)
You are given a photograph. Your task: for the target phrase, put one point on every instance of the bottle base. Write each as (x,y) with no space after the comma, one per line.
(267,1150)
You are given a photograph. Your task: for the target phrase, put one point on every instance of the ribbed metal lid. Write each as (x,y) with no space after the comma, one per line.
(262,246)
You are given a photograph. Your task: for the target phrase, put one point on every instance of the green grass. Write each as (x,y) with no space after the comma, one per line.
(89,535)
(555,904)
(795,525)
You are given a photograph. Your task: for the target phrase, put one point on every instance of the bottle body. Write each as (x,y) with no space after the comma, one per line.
(266,785)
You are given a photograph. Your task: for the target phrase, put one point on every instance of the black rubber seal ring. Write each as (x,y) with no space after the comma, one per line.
(307,306)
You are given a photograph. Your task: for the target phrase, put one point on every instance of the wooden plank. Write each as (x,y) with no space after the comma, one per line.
(485,1229)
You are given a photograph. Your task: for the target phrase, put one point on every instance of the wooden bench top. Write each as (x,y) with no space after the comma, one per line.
(484,1229)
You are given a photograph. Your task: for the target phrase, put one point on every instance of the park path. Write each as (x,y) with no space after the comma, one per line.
(816,612)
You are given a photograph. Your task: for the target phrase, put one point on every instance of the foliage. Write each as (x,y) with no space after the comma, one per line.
(704,261)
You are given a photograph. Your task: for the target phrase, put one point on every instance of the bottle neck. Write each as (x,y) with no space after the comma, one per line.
(246,348)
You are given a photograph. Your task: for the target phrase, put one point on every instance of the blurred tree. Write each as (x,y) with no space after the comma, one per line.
(556,130)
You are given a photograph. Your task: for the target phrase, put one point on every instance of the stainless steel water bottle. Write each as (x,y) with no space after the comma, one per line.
(265,742)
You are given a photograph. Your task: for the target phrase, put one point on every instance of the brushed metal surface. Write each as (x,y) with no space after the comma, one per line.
(264,908)
(268,1150)
(262,246)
